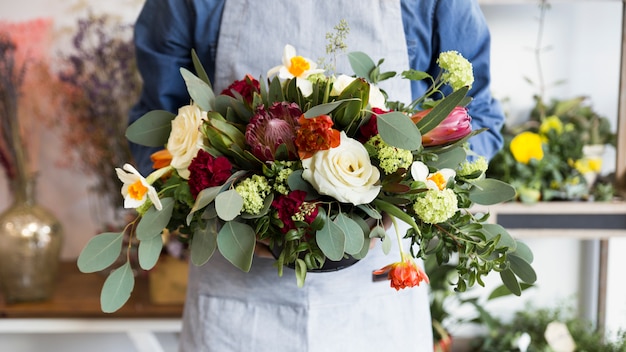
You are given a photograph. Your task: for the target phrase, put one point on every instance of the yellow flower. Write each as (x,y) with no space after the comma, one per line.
(136,189)
(551,123)
(298,67)
(586,165)
(526,146)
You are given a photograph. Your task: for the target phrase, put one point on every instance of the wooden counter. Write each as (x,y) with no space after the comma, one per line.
(77,295)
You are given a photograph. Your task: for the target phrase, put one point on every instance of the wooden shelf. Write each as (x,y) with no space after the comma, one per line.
(77,295)
(581,220)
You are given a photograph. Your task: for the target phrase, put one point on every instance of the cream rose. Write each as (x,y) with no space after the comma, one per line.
(344,173)
(376,97)
(185,139)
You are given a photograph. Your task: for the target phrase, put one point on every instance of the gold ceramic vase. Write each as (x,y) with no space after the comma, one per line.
(30,244)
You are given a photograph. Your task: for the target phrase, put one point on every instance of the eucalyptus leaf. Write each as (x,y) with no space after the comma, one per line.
(353,233)
(203,199)
(415,75)
(371,212)
(522,269)
(331,240)
(523,251)
(510,281)
(100,252)
(149,252)
(492,230)
(236,242)
(204,242)
(154,221)
(296,182)
(361,63)
(199,91)
(449,159)
(490,191)
(117,288)
(152,129)
(228,204)
(397,130)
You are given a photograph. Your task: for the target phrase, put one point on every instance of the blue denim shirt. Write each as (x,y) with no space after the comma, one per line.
(167,30)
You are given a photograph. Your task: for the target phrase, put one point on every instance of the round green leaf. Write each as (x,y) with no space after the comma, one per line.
(522,269)
(228,205)
(490,191)
(117,288)
(236,242)
(100,252)
(353,232)
(331,240)
(492,230)
(152,129)
(154,221)
(149,252)
(523,251)
(397,130)
(204,242)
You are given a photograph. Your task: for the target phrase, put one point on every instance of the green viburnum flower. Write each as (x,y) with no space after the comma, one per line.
(390,158)
(435,206)
(457,69)
(253,190)
(470,168)
(280,181)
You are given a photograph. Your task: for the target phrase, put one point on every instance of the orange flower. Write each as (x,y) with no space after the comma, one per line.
(316,134)
(161,159)
(404,274)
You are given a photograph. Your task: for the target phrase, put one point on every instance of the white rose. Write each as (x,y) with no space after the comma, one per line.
(376,97)
(185,139)
(344,173)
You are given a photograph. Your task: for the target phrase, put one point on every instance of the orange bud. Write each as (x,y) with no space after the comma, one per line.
(161,159)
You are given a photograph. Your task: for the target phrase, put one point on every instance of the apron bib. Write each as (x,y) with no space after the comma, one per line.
(228,310)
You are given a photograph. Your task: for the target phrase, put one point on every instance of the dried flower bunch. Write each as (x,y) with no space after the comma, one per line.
(101,83)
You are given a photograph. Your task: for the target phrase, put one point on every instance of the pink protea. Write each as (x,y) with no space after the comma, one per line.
(454,127)
(269,128)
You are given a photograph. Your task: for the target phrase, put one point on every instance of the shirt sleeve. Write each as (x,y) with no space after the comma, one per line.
(435,26)
(460,25)
(165,33)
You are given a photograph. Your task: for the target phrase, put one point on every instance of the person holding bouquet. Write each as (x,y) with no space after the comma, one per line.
(344,310)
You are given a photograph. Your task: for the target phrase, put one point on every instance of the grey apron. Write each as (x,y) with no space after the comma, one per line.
(228,310)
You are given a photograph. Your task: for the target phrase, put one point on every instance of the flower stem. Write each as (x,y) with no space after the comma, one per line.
(397,231)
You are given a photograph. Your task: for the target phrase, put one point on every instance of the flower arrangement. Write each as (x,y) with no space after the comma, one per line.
(310,165)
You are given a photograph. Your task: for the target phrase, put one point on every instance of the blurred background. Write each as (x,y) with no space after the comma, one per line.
(581,52)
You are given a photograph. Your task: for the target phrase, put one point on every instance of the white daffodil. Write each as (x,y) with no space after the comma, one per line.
(136,189)
(297,67)
(436,180)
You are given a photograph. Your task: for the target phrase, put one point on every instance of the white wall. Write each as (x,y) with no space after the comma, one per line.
(585,41)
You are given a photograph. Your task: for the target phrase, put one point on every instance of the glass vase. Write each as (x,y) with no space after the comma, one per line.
(30,244)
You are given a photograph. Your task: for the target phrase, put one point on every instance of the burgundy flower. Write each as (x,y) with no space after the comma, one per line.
(207,171)
(370,128)
(269,128)
(291,205)
(245,87)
